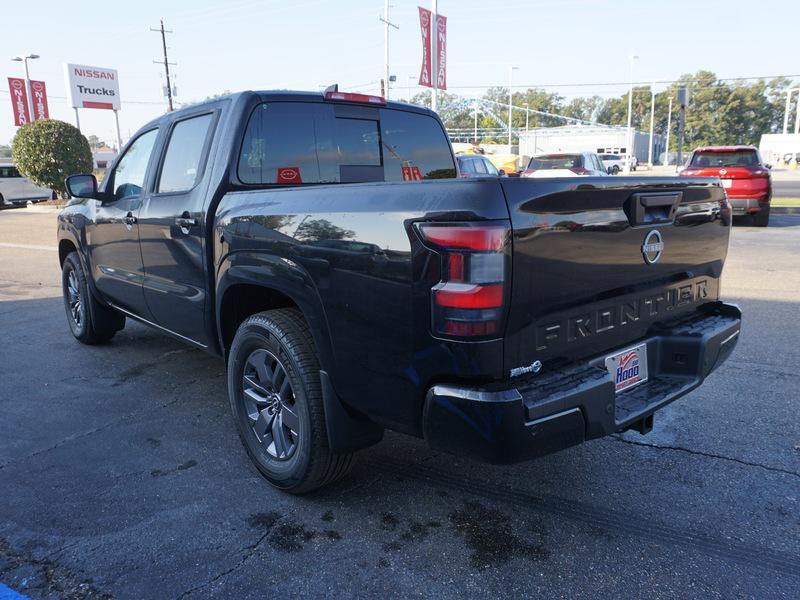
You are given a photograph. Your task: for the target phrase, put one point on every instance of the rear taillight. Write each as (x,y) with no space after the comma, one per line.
(470,299)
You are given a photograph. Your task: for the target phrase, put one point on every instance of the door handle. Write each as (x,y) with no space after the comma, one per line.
(185,221)
(129,220)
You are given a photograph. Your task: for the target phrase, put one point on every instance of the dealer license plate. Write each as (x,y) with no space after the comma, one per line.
(629,367)
(726,183)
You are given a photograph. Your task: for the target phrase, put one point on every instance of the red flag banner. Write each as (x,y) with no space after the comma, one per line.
(39,93)
(425,30)
(19,101)
(441,52)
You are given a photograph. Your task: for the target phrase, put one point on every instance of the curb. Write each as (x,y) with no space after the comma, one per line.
(785,210)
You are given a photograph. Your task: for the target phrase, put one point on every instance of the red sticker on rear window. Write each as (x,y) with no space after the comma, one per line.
(288,175)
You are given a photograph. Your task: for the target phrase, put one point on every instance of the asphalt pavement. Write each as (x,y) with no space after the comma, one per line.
(122,474)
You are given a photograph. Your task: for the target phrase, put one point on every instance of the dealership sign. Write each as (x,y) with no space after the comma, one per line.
(92,87)
(426,26)
(39,98)
(19,101)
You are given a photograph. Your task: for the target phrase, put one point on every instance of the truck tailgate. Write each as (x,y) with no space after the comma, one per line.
(588,273)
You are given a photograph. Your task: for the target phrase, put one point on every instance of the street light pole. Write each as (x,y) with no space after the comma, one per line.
(652,117)
(434,74)
(627,167)
(789,93)
(24,59)
(510,73)
(669,125)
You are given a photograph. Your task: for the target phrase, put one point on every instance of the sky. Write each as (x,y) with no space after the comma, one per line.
(573,47)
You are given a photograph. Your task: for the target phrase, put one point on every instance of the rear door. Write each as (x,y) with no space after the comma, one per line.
(595,267)
(172,231)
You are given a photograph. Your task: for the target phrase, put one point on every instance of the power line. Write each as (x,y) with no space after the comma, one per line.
(614,83)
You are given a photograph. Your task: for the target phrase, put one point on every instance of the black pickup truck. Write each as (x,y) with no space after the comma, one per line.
(325,247)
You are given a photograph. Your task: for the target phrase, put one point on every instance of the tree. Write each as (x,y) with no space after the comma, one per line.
(47,151)
(315,230)
(5,151)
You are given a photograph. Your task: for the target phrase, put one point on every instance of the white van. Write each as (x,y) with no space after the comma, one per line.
(16,190)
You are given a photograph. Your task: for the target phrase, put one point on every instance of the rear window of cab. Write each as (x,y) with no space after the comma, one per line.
(723,158)
(299,143)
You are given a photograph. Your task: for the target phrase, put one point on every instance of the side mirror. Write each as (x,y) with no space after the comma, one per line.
(82,186)
(501,172)
(769,166)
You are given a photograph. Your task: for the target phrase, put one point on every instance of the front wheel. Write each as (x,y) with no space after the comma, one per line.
(276,399)
(90,322)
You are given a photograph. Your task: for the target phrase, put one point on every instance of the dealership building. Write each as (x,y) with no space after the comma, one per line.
(588,138)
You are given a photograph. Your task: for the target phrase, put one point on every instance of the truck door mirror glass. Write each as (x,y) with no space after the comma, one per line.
(82,186)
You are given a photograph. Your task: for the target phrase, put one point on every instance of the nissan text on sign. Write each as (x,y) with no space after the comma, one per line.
(92,87)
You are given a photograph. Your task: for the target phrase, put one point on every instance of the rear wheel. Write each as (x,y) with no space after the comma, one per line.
(761,218)
(90,322)
(276,399)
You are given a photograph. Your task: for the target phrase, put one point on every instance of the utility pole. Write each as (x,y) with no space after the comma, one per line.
(475,138)
(510,73)
(669,125)
(652,117)
(527,117)
(789,93)
(166,62)
(434,65)
(683,100)
(386,25)
(627,167)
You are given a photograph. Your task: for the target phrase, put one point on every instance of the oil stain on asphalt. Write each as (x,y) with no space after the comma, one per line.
(492,538)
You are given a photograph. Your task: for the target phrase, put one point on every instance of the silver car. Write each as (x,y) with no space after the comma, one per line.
(16,190)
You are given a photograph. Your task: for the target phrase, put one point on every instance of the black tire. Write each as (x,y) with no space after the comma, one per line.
(614,170)
(90,322)
(761,218)
(296,461)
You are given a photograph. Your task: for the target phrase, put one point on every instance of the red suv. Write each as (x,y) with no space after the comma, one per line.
(744,176)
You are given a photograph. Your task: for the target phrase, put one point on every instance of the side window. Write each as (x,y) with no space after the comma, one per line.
(414,143)
(280,145)
(479,165)
(181,167)
(490,168)
(129,174)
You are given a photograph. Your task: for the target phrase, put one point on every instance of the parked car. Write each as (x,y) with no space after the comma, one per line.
(745,177)
(16,190)
(570,164)
(475,165)
(370,287)
(612,162)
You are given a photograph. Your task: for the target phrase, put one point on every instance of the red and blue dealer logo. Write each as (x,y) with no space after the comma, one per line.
(627,370)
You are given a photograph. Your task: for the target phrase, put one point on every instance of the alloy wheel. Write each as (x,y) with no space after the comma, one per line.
(270,404)
(74,298)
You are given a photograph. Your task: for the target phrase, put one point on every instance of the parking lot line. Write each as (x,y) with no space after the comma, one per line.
(28,247)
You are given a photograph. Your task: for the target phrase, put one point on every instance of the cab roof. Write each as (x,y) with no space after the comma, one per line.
(724,148)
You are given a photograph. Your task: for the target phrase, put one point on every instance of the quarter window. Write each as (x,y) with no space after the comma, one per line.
(181,168)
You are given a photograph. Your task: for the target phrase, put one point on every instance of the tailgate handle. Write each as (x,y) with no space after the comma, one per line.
(651,209)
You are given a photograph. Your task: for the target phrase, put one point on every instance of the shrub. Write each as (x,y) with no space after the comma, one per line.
(47,151)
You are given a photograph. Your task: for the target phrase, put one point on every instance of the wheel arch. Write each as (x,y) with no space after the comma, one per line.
(248,283)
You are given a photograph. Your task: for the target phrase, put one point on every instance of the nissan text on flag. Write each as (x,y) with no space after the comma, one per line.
(371,288)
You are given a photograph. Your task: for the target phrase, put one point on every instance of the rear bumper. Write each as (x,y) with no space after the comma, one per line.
(540,414)
(746,206)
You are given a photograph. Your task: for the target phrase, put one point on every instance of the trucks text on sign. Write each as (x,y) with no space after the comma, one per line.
(92,87)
